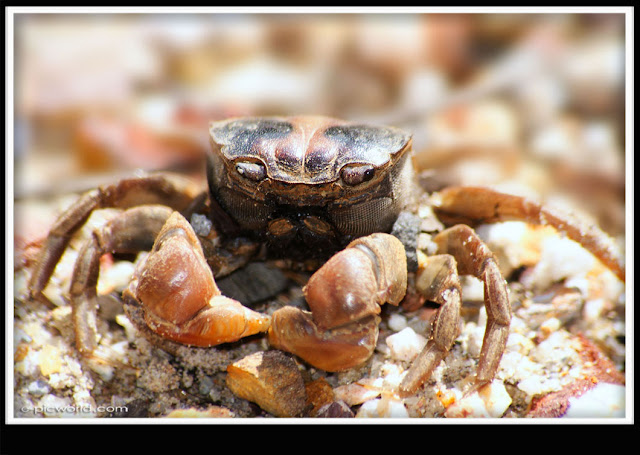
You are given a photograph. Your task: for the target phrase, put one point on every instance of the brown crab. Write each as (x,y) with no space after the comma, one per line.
(320,192)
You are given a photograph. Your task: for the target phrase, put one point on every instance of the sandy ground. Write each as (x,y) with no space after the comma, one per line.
(567,338)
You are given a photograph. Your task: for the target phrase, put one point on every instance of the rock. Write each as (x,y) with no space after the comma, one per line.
(599,392)
(383,407)
(50,360)
(496,398)
(603,400)
(354,394)
(470,406)
(491,400)
(210,412)
(337,409)
(406,344)
(397,322)
(319,394)
(270,379)
(38,388)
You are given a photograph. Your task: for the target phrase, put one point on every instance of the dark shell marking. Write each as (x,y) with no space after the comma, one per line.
(309,150)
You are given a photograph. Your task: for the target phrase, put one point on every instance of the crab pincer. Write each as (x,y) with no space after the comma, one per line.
(344,297)
(179,296)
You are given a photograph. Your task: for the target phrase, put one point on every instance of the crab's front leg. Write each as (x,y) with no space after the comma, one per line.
(165,189)
(175,294)
(344,297)
(130,231)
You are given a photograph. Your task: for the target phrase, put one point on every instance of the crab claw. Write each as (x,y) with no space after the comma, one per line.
(294,330)
(181,301)
(344,296)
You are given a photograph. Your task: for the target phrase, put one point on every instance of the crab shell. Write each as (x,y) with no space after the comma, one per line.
(260,171)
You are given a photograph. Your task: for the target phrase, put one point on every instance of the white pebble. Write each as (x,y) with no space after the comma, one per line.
(593,310)
(105,371)
(475,335)
(472,288)
(397,322)
(470,406)
(550,325)
(496,398)
(38,388)
(516,367)
(604,400)
(406,344)
(355,394)
(116,277)
(556,348)
(491,401)
(383,407)
(130,330)
(538,385)
(54,406)
(561,258)
(392,376)
(29,366)
(519,343)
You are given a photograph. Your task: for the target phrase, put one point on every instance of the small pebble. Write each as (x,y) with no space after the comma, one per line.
(29,363)
(205,385)
(397,322)
(392,376)
(470,406)
(496,398)
(383,407)
(319,394)
(337,409)
(354,394)
(490,401)
(406,344)
(561,258)
(538,384)
(50,360)
(604,400)
(38,388)
(446,397)
(557,347)
(104,370)
(593,310)
(549,326)
(54,406)
(210,412)
(129,328)
(116,277)
(270,379)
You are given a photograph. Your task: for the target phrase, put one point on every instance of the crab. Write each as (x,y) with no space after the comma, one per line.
(333,197)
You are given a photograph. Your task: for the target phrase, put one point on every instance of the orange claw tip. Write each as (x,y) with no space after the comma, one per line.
(224,321)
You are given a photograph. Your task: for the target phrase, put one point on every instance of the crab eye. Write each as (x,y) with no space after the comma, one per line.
(251,170)
(355,174)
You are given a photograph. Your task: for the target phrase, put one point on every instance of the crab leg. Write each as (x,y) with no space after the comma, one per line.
(472,257)
(131,231)
(474,205)
(344,296)
(154,189)
(438,281)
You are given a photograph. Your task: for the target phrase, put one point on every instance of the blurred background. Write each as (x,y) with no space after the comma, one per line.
(531,103)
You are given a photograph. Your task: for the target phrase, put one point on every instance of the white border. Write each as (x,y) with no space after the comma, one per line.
(9,185)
